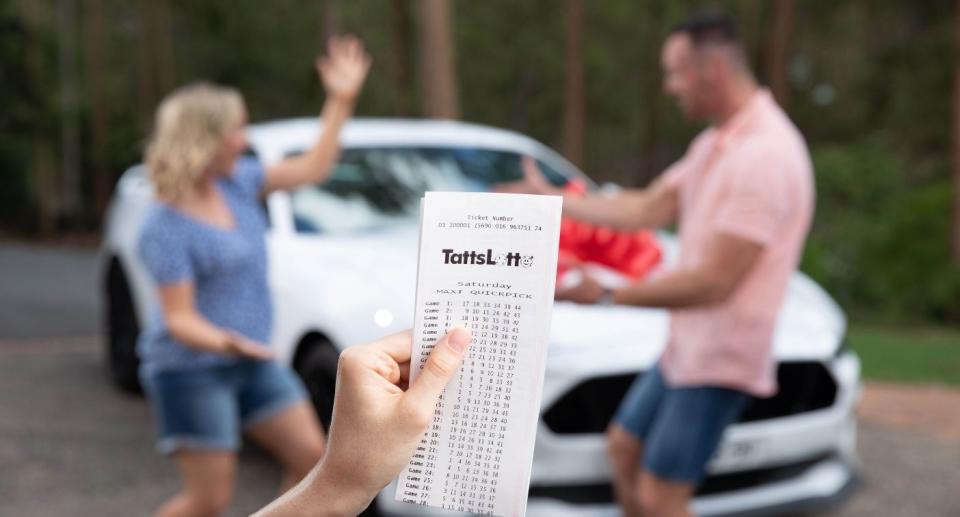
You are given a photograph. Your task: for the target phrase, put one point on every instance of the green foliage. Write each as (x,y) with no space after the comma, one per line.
(15,206)
(870,85)
(881,244)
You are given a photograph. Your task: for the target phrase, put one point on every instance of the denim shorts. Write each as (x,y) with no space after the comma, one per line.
(680,427)
(207,408)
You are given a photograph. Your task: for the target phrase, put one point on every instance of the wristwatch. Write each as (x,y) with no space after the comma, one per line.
(606,298)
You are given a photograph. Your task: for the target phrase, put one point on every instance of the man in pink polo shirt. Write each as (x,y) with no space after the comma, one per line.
(743,195)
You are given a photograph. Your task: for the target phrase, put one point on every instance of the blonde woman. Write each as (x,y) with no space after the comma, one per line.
(205,360)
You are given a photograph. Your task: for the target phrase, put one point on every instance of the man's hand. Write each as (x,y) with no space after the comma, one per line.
(587,291)
(344,69)
(533,181)
(377,423)
(534,178)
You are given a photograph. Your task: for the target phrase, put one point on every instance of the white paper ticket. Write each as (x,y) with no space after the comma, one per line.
(487,262)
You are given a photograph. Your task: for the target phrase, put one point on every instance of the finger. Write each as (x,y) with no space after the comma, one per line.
(351,48)
(324,66)
(528,163)
(343,48)
(398,346)
(334,44)
(530,166)
(331,43)
(261,353)
(254,350)
(258,355)
(356,47)
(441,365)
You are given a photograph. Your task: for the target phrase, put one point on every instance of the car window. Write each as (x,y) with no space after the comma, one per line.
(373,188)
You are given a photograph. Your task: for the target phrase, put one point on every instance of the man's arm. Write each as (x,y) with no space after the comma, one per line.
(635,209)
(729,259)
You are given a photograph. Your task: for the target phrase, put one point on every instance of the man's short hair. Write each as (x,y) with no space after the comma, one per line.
(715,30)
(709,28)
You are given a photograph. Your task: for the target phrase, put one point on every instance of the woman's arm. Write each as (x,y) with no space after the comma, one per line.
(189,327)
(342,72)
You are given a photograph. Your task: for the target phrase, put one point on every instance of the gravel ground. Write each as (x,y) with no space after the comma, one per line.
(48,291)
(72,445)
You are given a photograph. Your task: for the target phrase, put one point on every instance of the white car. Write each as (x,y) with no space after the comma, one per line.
(342,271)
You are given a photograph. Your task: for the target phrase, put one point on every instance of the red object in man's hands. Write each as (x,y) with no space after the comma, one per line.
(633,254)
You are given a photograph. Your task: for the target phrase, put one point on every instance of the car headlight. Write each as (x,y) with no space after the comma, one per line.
(843,348)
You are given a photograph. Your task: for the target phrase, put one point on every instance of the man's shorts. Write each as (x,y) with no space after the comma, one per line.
(680,427)
(207,408)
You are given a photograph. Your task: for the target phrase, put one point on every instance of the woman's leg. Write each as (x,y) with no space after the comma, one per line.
(277,414)
(208,479)
(294,436)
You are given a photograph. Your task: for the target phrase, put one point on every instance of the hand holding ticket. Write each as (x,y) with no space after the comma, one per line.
(487,262)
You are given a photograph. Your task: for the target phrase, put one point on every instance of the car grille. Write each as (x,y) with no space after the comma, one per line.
(602,493)
(589,406)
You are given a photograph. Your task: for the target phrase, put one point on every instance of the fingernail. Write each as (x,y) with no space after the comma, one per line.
(459,339)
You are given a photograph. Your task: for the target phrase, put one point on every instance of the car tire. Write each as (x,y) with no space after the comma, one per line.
(317,366)
(122,330)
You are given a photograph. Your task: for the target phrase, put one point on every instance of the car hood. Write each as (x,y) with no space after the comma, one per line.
(810,327)
(380,270)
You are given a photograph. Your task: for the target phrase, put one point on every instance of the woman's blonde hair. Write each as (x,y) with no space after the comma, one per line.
(190,125)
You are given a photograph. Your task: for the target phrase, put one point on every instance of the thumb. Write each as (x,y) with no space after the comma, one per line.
(443,363)
(530,168)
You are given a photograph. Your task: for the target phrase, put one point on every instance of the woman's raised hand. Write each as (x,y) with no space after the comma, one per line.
(343,69)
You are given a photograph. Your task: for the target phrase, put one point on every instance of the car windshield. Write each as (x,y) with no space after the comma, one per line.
(373,188)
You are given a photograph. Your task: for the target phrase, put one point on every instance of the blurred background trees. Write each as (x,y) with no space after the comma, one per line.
(869,82)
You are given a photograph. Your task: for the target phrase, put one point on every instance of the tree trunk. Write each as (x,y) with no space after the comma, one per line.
(156,68)
(778,50)
(43,183)
(146,85)
(750,15)
(329,22)
(99,114)
(401,27)
(69,114)
(651,99)
(956,138)
(573,90)
(439,98)
(163,47)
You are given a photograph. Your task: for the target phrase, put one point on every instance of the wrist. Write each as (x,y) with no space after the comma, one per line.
(335,495)
(223,341)
(341,100)
(608,297)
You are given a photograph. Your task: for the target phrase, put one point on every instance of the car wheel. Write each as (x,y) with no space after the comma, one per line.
(122,331)
(317,366)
